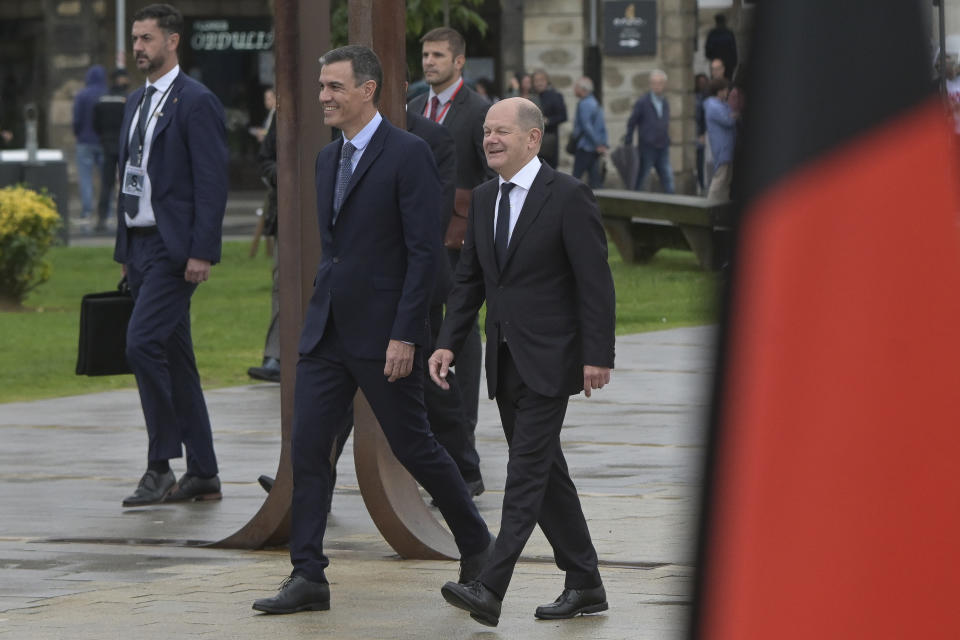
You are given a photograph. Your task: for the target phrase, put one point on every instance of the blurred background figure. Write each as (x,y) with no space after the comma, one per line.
(722,131)
(483,87)
(554,114)
(107,122)
(89,151)
(521,86)
(270,102)
(701,85)
(722,43)
(651,120)
(590,132)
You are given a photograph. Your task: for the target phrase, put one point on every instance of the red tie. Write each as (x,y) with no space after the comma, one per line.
(434,106)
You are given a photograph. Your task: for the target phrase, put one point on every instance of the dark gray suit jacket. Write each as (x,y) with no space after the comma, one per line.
(553,300)
(464,120)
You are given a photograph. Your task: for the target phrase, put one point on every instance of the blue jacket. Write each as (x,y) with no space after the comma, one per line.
(721,130)
(85,101)
(589,124)
(379,261)
(653,130)
(188,171)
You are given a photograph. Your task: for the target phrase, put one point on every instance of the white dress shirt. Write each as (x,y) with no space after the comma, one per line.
(444,96)
(518,195)
(145,216)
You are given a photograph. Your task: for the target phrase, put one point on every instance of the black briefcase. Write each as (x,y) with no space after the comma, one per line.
(103,332)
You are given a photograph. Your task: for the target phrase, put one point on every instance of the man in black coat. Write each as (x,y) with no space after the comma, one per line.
(456,106)
(722,43)
(107,120)
(554,114)
(536,252)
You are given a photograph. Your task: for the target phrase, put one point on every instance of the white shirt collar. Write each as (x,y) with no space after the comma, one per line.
(447,93)
(362,139)
(163,82)
(525,177)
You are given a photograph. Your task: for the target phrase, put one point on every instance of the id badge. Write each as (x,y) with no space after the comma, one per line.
(133,177)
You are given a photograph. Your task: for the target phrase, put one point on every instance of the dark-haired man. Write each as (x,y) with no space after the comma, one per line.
(173,193)
(378,211)
(461,110)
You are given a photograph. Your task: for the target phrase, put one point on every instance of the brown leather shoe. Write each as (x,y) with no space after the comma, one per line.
(194,488)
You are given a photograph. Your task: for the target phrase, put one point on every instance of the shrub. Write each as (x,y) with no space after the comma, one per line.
(28,222)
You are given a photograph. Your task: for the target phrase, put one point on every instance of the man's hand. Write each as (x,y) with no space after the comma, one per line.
(601,149)
(197,270)
(594,378)
(399,360)
(439,364)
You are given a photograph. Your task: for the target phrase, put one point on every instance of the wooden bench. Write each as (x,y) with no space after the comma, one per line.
(641,223)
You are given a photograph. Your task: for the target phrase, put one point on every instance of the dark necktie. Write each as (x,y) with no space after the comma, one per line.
(343,177)
(501,237)
(131,204)
(434,107)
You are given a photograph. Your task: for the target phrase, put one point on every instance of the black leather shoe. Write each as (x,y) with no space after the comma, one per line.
(471,566)
(266,482)
(574,602)
(297,594)
(268,371)
(481,603)
(153,486)
(195,488)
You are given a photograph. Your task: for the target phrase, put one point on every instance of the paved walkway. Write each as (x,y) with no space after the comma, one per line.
(74,564)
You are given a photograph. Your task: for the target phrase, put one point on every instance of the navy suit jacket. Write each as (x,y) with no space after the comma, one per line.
(379,259)
(653,130)
(188,171)
(553,300)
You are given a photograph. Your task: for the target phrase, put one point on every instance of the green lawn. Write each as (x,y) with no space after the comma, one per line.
(38,346)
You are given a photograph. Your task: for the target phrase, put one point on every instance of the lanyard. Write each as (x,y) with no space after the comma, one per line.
(426,112)
(141,135)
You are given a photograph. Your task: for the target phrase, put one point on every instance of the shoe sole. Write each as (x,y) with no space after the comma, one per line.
(203,497)
(460,603)
(593,608)
(313,606)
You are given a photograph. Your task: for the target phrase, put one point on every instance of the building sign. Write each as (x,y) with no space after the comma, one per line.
(630,28)
(231,35)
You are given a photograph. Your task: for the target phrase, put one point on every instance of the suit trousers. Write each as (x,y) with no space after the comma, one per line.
(160,352)
(327,380)
(446,414)
(468,366)
(538,489)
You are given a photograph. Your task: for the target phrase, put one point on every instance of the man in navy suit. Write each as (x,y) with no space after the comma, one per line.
(366,324)
(651,119)
(173,163)
(536,252)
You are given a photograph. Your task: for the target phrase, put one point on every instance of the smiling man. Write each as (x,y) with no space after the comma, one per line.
(536,252)
(173,193)
(378,209)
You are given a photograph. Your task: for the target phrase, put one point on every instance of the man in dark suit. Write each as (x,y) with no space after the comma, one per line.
(461,110)
(651,119)
(173,163)
(536,252)
(445,411)
(378,214)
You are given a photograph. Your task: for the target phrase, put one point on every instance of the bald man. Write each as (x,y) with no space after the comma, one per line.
(550,334)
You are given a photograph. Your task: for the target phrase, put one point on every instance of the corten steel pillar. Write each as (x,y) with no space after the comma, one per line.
(388,490)
(302,35)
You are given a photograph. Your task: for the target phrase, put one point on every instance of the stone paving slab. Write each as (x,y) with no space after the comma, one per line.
(70,566)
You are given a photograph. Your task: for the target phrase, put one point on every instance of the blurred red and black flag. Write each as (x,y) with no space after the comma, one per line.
(832,488)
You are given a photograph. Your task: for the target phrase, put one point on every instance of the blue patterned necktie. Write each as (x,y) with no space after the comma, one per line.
(131,204)
(501,238)
(343,177)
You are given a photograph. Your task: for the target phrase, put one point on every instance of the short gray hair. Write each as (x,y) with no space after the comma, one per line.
(658,73)
(586,84)
(529,115)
